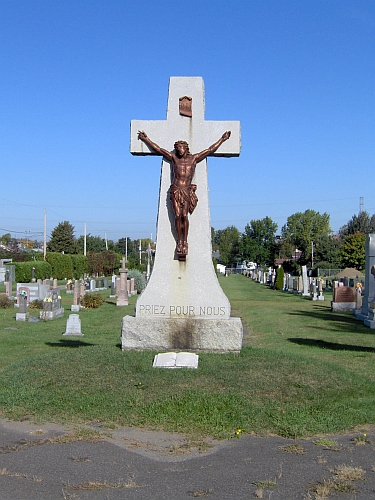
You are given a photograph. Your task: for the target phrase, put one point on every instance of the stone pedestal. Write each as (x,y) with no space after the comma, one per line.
(49,315)
(22,316)
(183,305)
(8,289)
(75,306)
(219,335)
(82,290)
(122,295)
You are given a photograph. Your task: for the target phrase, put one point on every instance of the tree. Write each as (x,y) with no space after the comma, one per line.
(93,243)
(359,223)
(303,228)
(229,245)
(258,241)
(5,239)
(103,263)
(62,239)
(327,252)
(353,252)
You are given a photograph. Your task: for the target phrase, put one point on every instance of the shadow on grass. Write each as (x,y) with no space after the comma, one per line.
(110,302)
(334,321)
(322,344)
(69,343)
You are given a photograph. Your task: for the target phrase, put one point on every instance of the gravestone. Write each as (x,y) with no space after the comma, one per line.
(370,320)
(23,291)
(8,289)
(52,306)
(75,307)
(35,291)
(314,290)
(358,300)
(183,305)
(343,299)
(320,289)
(82,290)
(73,325)
(305,283)
(369,292)
(113,287)
(22,314)
(122,294)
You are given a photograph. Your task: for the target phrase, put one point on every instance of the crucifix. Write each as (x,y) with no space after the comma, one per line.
(183,305)
(174,279)
(182,191)
(172,139)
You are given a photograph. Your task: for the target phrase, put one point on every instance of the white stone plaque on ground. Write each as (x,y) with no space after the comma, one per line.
(176,360)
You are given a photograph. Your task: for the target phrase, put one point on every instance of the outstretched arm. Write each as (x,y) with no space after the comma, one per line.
(163,152)
(203,154)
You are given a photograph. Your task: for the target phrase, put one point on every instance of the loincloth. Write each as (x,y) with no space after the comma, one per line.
(182,195)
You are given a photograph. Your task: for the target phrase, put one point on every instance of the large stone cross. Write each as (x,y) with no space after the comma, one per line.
(182,289)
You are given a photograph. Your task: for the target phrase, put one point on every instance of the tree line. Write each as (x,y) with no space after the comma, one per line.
(102,255)
(307,235)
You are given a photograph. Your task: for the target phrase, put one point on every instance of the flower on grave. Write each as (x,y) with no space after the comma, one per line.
(358,285)
(59,297)
(47,299)
(23,294)
(69,282)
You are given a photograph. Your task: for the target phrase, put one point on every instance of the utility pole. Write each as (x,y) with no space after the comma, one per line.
(84,239)
(105,237)
(45,235)
(140,254)
(126,249)
(312,255)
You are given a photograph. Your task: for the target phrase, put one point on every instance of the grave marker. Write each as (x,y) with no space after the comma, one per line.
(183,304)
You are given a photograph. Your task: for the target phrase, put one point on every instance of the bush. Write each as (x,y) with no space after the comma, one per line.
(279,281)
(5,302)
(139,279)
(92,300)
(23,270)
(36,304)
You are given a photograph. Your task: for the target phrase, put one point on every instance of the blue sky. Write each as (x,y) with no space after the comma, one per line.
(299,75)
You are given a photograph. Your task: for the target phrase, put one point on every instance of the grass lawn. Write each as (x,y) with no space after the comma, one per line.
(302,371)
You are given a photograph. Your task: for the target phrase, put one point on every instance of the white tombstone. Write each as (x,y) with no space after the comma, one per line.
(183,305)
(305,283)
(73,325)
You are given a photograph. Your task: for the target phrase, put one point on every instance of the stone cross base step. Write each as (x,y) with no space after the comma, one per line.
(22,316)
(188,334)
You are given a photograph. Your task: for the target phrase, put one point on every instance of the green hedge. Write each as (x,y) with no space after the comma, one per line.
(62,265)
(23,270)
(80,265)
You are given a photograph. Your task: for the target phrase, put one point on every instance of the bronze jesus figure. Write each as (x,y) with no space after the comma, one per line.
(182,191)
